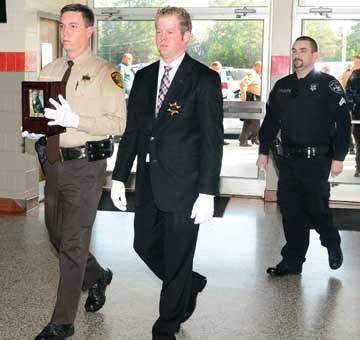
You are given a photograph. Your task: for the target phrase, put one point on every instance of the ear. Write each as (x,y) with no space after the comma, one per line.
(187,36)
(89,31)
(316,56)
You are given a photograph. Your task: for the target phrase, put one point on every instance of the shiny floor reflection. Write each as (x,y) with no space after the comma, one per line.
(240,301)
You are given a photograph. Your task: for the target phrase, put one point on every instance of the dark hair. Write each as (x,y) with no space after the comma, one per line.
(181,13)
(86,12)
(313,43)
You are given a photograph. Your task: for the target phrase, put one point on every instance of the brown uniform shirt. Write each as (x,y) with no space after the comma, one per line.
(250,83)
(95,91)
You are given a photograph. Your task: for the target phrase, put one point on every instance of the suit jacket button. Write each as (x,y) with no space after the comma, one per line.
(152,138)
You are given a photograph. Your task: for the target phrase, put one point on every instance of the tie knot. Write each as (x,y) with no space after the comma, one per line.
(70,63)
(167,68)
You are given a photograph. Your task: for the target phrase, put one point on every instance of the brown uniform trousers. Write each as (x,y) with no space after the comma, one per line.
(72,193)
(250,126)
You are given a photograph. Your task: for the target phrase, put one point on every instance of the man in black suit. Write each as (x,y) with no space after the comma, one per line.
(175,129)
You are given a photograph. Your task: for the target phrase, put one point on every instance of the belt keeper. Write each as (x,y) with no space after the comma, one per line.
(84,152)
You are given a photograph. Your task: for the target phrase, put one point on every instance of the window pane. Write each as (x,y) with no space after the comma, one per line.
(236,44)
(329,3)
(338,42)
(184,3)
(118,37)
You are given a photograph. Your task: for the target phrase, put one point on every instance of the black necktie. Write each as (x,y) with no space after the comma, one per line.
(52,149)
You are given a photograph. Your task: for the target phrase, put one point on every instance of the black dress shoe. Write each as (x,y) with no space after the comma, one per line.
(56,332)
(357,173)
(198,287)
(96,298)
(283,269)
(162,336)
(335,257)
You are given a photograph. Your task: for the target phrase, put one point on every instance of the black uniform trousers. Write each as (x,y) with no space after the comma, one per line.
(166,242)
(303,197)
(356,134)
(72,193)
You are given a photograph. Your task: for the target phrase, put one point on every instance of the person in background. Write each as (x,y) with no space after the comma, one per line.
(174,128)
(127,72)
(353,94)
(310,110)
(217,67)
(75,173)
(250,90)
(343,79)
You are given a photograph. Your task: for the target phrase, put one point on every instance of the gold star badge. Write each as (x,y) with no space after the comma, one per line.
(174,108)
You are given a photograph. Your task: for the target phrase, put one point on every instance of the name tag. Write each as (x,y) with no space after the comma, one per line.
(147,159)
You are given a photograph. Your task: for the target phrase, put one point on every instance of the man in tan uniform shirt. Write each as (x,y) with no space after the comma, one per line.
(94,108)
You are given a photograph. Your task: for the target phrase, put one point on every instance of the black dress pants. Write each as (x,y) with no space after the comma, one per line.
(72,194)
(303,197)
(166,242)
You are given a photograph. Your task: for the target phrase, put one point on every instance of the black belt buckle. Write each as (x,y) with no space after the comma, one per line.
(97,150)
(311,152)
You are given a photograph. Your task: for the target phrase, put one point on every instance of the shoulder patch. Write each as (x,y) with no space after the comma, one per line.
(117,79)
(336,87)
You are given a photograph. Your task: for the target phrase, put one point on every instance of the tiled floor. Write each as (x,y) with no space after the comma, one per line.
(240,301)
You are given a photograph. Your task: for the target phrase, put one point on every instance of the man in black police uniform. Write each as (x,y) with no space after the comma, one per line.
(353,96)
(310,109)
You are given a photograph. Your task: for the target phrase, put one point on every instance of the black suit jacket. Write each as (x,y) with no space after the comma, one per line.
(185,141)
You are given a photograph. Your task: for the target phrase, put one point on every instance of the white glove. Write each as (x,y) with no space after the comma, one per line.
(62,114)
(31,135)
(118,195)
(203,209)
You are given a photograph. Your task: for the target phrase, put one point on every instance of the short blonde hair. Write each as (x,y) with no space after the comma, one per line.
(181,13)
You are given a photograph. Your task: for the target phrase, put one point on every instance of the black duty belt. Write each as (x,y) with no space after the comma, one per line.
(306,152)
(92,151)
